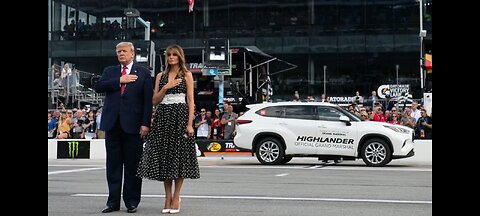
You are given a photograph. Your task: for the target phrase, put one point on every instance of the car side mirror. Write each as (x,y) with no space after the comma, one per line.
(346,120)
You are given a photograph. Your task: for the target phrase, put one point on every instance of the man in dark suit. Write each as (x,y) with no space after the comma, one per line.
(126,120)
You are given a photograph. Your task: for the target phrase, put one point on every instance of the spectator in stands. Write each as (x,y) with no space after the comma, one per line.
(387,115)
(203,123)
(52,126)
(415,111)
(378,115)
(90,126)
(70,116)
(100,132)
(408,120)
(77,125)
(75,78)
(217,128)
(66,72)
(225,108)
(357,99)
(364,116)
(393,110)
(424,126)
(63,129)
(210,116)
(394,119)
(57,77)
(61,107)
(229,119)
(324,98)
(351,109)
(56,115)
(372,99)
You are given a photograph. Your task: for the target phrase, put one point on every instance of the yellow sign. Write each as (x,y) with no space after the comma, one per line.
(214,147)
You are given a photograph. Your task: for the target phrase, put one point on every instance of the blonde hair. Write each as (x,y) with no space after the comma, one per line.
(177,49)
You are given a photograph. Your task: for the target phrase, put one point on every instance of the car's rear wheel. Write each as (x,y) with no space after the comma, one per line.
(270,151)
(376,152)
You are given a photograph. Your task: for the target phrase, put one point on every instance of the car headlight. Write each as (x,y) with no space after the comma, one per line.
(397,129)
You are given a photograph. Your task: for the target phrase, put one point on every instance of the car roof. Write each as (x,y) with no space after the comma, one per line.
(283,103)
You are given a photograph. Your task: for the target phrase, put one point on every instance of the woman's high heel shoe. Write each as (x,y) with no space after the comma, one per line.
(166,210)
(175,211)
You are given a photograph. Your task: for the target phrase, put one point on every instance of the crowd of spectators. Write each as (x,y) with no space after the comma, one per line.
(84,123)
(388,110)
(75,124)
(414,117)
(216,124)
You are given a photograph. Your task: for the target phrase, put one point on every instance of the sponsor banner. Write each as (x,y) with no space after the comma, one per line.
(73,149)
(206,145)
(342,101)
(195,67)
(338,143)
(394,91)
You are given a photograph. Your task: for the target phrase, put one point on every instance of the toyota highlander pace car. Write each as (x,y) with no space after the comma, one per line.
(276,132)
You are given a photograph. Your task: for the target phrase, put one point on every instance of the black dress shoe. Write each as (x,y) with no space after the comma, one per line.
(131,209)
(109,209)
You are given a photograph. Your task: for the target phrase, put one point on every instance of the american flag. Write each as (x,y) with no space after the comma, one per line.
(190,5)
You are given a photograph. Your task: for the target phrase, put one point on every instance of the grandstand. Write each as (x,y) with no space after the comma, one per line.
(73,90)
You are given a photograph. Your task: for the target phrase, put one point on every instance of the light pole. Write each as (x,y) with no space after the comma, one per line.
(422,34)
(397,67)
(325,80)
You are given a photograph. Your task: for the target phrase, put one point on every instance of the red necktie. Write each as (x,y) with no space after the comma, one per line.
(124,71)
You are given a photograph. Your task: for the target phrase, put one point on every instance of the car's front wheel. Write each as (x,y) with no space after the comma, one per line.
(376,152)
(270,151)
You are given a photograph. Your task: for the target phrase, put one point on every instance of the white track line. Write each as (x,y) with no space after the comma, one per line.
(278,198)
(75,170)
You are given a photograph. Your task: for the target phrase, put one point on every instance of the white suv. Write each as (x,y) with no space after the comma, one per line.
(276,132)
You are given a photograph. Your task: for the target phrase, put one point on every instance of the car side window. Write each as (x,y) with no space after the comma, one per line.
(301,112)
(274,111)
(329,114)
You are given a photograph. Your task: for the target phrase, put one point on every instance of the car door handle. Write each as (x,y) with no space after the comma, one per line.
(282,123)
(321,126)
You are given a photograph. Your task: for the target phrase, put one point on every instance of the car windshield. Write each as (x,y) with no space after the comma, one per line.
(349,114)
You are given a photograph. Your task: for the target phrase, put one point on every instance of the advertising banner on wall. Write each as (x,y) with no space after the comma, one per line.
(73,149)
(393,90)
(206,145)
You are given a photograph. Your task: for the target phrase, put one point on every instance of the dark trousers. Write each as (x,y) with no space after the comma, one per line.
(123,154)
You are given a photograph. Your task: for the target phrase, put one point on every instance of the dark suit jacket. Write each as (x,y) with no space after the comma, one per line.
(135,105)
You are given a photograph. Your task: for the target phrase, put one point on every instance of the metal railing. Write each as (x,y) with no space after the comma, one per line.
(73,87)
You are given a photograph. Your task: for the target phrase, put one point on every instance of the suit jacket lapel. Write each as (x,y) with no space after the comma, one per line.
(133,71)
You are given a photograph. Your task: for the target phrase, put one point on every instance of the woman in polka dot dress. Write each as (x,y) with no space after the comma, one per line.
(169,154)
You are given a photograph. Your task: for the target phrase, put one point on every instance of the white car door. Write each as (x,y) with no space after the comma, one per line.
(298,125)
(335,137)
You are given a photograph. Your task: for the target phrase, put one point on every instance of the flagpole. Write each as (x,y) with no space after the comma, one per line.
(421,34)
